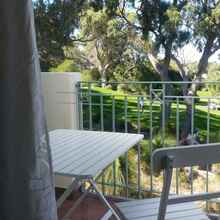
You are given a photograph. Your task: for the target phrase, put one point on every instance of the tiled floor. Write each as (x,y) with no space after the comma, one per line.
(90,209)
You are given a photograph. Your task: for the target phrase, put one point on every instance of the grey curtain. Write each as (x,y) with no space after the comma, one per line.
(26,183)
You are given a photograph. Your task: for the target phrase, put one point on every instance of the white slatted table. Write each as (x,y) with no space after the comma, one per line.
(84,155)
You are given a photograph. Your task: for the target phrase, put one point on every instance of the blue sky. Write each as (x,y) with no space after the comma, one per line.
(191,54)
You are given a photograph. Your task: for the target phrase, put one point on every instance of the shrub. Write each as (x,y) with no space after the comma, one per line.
(66,66)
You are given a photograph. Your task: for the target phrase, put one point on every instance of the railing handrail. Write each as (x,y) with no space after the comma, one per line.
(151,82)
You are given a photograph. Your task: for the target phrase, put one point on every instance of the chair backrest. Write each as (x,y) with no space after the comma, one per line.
(182,156)
(176,157)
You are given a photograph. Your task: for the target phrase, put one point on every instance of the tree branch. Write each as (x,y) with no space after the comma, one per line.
(159,68)
(124,17)
(83,39)
(181,68)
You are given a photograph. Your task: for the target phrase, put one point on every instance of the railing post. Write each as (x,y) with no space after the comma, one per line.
(151,137)
(192,134)
(113,113)
(139,149)
(90,106)
(163,113)
(79,106)
(101,113)
(113,129)
(177,141)
(126,154)
(207,141)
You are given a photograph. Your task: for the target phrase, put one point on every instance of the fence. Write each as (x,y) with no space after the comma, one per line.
(168,114)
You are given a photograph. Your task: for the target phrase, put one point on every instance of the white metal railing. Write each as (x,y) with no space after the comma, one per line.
(164,113)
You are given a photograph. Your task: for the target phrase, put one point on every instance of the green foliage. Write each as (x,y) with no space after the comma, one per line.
(111,5)
(115,173)
(169,25)
(108,39)
(174,18)
(192,69)
(97,5)
(165,26)
(203,19)
(93,23)
(90,75)
(66,66)
(132,168)
(163,20)
(214,75)
(133,70)
(55,23)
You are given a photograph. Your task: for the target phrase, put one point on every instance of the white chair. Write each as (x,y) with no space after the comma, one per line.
(175,207)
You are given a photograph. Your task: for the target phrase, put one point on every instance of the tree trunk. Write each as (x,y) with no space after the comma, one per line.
(167,104)
(103,78)
(202,68)
(163,71)
(183,72)
(187,126)
(103,70)
(203,62)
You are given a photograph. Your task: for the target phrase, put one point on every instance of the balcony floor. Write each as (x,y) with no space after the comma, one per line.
(90,209)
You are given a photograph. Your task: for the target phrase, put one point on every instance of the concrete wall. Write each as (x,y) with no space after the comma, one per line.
(60,100)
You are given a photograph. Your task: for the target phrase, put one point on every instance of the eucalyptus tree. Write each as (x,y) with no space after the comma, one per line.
(166,27)
(202,18)
(204,22)
(56,22)
(107,40)
(159,33)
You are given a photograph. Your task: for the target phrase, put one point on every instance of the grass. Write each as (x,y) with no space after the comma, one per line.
(121,113)
(134,117)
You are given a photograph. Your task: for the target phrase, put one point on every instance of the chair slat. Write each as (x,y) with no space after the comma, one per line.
(147,209)
(183,156)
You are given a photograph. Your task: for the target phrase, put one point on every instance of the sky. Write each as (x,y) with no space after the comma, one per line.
(190,54)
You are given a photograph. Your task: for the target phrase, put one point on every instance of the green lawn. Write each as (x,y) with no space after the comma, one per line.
(135,117)
(113,113)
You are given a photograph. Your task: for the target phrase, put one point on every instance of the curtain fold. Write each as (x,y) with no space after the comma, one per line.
(26,178)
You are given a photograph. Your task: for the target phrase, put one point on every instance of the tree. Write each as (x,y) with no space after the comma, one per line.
(55,22)
(205,23)
(161,26)
(214,75)
(108,39)
(167,26)
(202,19)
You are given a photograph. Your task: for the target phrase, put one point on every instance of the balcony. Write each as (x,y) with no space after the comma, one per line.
(168,114)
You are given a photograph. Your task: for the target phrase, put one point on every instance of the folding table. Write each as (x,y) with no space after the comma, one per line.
(84,155)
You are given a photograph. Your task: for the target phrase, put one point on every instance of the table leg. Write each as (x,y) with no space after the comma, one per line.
(79,200)
(77,203)
(72,186)
(103,199)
